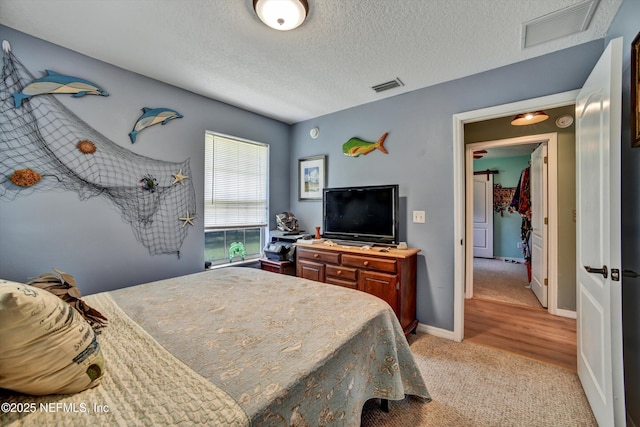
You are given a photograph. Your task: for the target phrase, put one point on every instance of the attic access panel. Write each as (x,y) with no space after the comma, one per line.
(564,22)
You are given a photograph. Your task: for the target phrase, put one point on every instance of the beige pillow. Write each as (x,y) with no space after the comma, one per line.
(46,347)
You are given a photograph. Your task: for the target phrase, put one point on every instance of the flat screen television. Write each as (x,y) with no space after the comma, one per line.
(361,214)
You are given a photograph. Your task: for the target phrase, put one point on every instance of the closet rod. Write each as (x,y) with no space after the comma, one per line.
(487,172)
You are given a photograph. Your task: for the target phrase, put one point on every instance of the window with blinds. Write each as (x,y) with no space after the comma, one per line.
(235,194)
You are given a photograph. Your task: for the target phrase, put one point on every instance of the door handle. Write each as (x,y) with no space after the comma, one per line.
(604,270)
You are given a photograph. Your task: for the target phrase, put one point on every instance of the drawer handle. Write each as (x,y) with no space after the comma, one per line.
(316,255)
(339,272)
(365,263)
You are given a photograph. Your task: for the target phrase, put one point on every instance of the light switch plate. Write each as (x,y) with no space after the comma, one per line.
(418,217)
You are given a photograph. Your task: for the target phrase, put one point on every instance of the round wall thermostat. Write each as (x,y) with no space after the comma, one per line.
(564,121)
(314,133)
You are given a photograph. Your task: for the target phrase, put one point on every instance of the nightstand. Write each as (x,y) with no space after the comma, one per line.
(281,267)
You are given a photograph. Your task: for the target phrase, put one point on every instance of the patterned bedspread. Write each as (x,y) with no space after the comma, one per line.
(280,349)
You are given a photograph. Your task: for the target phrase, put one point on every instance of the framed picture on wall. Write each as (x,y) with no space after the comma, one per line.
(635,92)
(312,177)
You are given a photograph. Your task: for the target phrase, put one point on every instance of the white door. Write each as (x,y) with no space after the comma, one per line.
(483,216)
(599,316)
(539,215)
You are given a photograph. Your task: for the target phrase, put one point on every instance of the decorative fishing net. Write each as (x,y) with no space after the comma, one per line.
(46,137)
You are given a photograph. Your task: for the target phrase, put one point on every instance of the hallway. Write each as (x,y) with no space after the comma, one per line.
(497,280)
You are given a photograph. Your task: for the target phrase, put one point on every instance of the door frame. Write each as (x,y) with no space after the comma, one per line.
(459,183)
(551,140)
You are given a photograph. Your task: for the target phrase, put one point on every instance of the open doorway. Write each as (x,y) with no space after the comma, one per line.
(511,189)
(499,117)
(522,273)
(505,151)
(509,197)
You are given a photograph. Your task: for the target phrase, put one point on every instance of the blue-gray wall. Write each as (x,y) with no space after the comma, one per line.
(88,239)
(506,227)
(627,25)
(420,159)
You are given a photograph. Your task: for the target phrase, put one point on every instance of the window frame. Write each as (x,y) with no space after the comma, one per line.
(263,227)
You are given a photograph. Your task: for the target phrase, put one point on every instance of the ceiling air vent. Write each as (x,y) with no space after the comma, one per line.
(561,23)
(388,85)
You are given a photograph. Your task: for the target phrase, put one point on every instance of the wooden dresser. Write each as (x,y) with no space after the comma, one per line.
(390,275)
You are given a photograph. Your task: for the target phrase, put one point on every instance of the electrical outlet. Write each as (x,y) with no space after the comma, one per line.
(418,217)
(520,245)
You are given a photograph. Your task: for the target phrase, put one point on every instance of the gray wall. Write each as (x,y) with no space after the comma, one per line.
(420,159)
(627,25)
(88,239)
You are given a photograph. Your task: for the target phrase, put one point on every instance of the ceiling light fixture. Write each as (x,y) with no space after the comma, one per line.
(282,15)
(478,154)
(529,118)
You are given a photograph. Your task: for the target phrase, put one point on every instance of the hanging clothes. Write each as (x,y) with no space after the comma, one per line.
(502,197)
(521,203)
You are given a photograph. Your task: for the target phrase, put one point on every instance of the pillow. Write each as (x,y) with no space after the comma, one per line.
(46,347)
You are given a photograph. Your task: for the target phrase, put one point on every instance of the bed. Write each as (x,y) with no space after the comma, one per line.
(235,346)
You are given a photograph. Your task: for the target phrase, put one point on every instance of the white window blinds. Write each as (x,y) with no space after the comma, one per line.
(235,189)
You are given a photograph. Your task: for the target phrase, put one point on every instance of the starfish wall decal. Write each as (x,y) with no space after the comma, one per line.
(187,219)
(178,177)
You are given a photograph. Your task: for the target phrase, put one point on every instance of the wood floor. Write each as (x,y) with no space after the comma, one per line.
(530,332)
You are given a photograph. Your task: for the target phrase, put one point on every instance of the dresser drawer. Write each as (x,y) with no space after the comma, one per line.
(369,263)
(311,270)
(344,283)
(382,285)
(343,273)
(319,256)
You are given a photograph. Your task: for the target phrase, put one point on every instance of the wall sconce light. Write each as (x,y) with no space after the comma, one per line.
(529,118)
(282,15)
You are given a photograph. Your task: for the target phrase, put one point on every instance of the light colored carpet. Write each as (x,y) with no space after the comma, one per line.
(497,280)
(472,385)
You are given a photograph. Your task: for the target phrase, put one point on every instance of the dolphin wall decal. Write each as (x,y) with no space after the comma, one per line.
(153,116)
(53,82)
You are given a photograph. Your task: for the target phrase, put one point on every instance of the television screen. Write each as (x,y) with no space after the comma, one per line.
(367,214)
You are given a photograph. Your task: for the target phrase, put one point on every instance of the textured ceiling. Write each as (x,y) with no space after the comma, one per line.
(220,49)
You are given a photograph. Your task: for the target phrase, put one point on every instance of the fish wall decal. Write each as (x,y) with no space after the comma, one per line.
(356,146)
(153,116)
(53,82)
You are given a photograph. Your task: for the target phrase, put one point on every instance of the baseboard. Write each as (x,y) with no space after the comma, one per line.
(566,313)
(436,332)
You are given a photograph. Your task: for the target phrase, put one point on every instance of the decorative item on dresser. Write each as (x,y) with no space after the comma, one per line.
(388,273)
